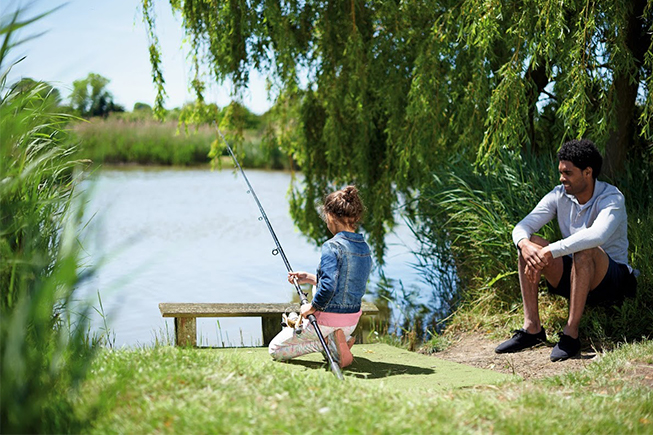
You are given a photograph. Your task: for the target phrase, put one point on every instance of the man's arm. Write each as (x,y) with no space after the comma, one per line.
(536,257)
(606,223)
(542,214)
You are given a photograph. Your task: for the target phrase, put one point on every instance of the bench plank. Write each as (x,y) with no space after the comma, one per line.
(191,309)
(186,314)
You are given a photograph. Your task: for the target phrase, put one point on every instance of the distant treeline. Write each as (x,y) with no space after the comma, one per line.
(107,133)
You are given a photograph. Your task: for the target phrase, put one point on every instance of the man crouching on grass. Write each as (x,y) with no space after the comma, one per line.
(589,265)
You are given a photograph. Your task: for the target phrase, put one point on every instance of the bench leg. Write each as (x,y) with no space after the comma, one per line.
(186,331)
(271,327)
(363,330)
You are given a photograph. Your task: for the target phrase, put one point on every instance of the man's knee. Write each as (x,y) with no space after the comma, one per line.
(594,260)
(588,256)
(539,240)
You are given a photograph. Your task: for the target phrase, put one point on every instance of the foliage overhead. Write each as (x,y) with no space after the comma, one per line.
(385,91)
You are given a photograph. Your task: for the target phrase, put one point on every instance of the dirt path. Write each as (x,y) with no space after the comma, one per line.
(477,350)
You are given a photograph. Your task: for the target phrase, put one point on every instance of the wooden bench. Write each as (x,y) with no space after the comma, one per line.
(185,315)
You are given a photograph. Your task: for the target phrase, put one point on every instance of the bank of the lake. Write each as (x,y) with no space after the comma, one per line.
(145,141)
(171,390)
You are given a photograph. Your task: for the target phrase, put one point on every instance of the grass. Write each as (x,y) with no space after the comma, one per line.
(116,140)
(171,390)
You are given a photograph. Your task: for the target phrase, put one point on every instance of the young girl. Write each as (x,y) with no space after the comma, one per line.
(341,279)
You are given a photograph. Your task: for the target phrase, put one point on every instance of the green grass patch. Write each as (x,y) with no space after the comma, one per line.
(171,390)
(116,140)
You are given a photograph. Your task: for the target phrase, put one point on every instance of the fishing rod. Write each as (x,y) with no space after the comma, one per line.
(335,368)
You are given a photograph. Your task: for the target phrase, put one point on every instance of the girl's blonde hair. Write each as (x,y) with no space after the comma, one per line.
(345,205)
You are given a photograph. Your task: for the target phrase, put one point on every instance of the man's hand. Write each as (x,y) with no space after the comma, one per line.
(536,257)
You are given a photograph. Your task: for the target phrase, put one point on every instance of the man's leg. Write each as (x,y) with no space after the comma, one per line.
(588,270)
(532,333)
(552,273)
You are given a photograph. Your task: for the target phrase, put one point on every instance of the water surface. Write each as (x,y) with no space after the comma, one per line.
(193,235)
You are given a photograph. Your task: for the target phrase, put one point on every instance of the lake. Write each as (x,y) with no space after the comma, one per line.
(193,235)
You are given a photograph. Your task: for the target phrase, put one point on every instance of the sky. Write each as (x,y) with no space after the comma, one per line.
(108,37)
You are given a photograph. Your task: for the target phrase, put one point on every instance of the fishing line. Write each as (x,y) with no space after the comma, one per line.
(279,251)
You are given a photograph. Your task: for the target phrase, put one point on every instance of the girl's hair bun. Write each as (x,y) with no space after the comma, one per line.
(350,193)
(345,204)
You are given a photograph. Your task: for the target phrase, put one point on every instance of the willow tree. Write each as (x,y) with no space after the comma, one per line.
(378,93)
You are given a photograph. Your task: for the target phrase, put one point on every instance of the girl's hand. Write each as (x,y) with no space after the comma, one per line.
(302,278)
(306,309)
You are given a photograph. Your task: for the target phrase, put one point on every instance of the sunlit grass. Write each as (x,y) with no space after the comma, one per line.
(115,140)
(171,390)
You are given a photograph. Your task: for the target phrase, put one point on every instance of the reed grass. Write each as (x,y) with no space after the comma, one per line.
(123,139)
(115,140)
(45,348)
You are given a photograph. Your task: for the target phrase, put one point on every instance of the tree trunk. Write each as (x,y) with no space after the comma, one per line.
(539,81)
(625,92)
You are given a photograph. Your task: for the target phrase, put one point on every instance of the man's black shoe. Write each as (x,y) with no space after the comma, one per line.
(566,348)
(521,340)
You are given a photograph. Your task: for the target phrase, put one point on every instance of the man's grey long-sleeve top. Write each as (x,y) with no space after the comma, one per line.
(600,222)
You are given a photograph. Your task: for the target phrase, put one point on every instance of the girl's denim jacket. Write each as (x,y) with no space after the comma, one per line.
(342,276)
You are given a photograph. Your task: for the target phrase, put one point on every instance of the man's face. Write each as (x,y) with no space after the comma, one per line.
(574,180)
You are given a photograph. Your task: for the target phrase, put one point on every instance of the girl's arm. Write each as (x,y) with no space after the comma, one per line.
(302,278)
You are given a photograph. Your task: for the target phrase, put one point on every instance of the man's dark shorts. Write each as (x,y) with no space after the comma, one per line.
(617,284)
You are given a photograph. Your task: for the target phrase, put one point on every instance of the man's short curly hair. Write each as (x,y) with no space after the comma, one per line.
(582,153)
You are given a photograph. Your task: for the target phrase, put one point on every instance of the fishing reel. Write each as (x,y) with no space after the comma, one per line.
(292,320)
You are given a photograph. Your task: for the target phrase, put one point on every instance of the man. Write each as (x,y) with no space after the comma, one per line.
(590,263)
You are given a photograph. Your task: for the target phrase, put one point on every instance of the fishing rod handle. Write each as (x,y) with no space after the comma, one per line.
(303,300)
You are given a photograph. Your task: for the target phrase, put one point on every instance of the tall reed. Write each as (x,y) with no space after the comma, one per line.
(45,349)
